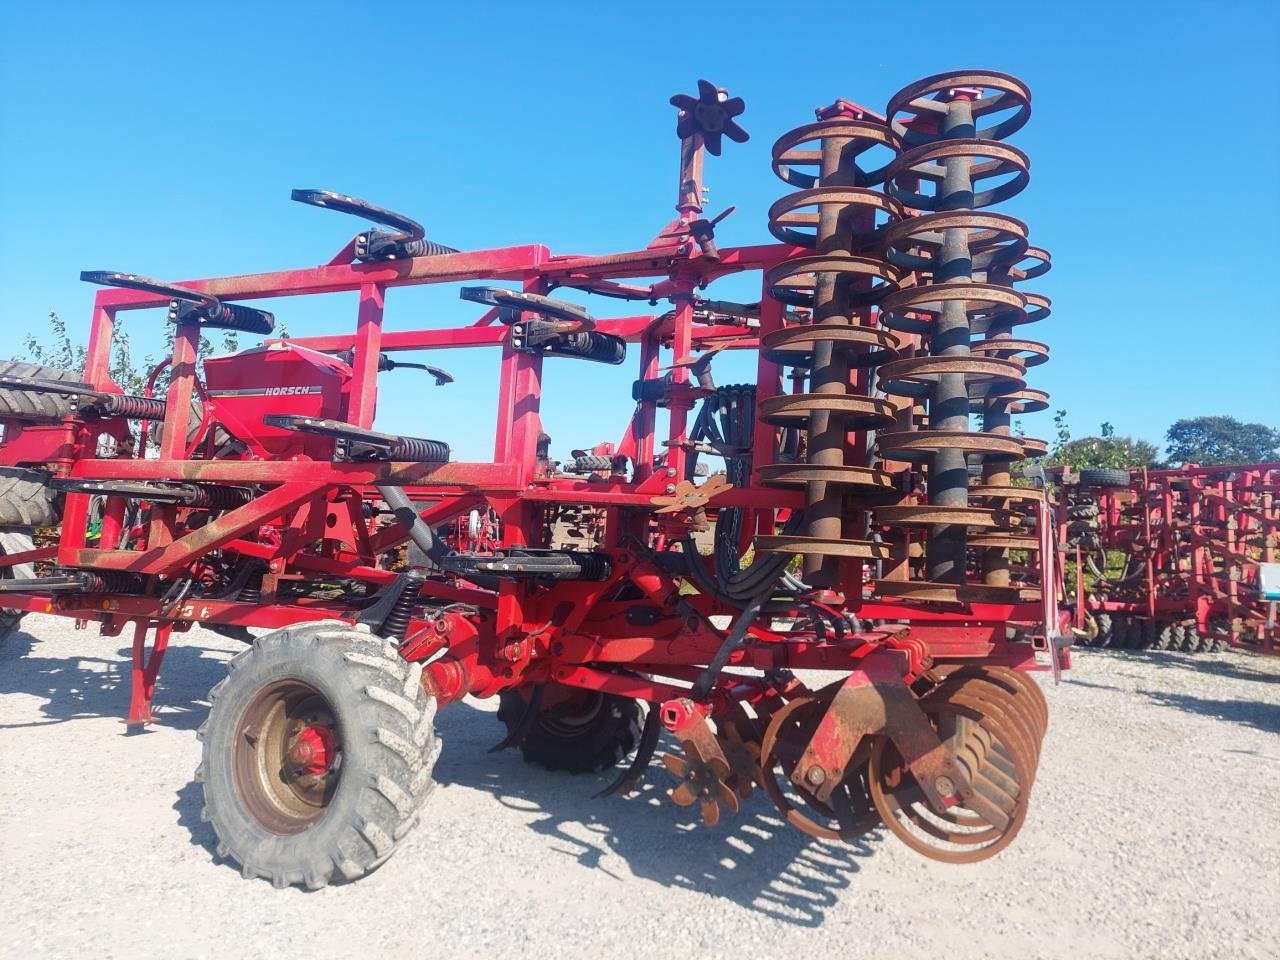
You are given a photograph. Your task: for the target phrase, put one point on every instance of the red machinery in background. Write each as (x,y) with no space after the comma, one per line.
(859,520)
(1174,559)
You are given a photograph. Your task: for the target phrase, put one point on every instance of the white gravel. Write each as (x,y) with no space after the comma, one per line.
(1154,832)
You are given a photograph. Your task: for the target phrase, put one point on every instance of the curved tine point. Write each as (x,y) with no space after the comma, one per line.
(134,281)
(331,200)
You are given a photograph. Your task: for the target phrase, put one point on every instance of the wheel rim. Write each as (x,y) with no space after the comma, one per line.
(287,758)
(574,717)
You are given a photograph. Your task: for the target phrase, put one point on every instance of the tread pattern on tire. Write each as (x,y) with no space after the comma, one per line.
(21,405)
(611,737)
(25,500)
(390,714)
(1104,477)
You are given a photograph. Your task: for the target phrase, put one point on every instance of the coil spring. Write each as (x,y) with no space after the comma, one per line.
(838,215)
(251,592)
(962,264)
(210,496)
(135,408)
(424,248)
(106,581)
(418,450)
(593,566)
(396,623)
(224,316)
(589,345)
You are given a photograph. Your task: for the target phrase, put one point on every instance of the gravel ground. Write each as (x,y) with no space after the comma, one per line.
(1150,835)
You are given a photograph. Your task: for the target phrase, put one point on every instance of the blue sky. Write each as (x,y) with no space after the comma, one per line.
(164,139)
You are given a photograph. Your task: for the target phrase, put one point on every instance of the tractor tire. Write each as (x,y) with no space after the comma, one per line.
(1180,639)
(20,405)
(1132,634)
(14,541)
(1204,643)
(365,721)
(1149,636)
(1219,644)
(599,732)
(1165,637)
(1119,632)
(1104,477)
(25,501)
(593,464)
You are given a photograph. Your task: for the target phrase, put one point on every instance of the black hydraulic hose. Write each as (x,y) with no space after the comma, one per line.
(419,531)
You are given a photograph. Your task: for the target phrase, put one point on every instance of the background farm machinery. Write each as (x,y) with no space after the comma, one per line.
(1173,559)
(860,515)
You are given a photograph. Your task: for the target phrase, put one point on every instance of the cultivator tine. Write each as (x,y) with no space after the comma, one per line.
(190,306)
(357,443)
(631,777)
(522,726)
(408,240)
(573,318)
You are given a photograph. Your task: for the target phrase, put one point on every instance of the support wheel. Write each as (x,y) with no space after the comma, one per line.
(577,731)
(317,755)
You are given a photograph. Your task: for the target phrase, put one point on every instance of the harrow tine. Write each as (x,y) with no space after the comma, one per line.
(524,724)
(630,778)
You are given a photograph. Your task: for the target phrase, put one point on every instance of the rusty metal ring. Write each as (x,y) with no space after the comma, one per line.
(848,268)
(987,305)
(868,480)
(871,133)
(928,515)
(857,412)
(917,445)
(1006,493)
(793,346)
(1025,400)
(1016,272)
(794,543)
(914,99)
(1030,353)
(785,215)
(925,591)
(922,164)
(997,541)
(984,376)
(996,241)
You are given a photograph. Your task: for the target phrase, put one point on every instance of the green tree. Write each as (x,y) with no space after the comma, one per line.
(1104,450)
(59,350)
(1213,440)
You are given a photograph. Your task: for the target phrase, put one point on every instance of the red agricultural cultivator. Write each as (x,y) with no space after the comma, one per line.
(859,517)
(1185,559)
